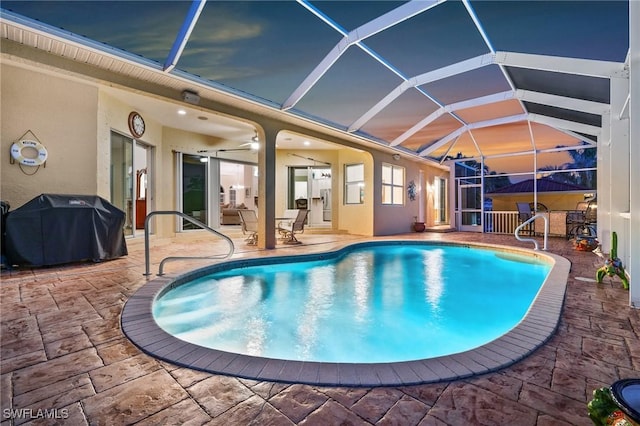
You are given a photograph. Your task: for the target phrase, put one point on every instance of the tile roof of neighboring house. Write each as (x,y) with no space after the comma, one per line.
(544,185)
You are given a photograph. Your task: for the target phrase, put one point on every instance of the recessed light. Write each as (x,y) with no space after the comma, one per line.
(306,143)
(202,117)
(182,112)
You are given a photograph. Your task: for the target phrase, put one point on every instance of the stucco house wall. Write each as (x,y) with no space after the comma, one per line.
(553,200)
(74,119)
(62,114)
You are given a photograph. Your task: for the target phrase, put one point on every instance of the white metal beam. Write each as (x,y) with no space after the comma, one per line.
(419,126)
(393,17)
(485,37)
(475,143)
(317,73)
(440,73)
(624,113)
(476,21)
(481,101)
(558,123)
(498,121)
(449,150)
(437,145)
(454,69)
(577,66)
(393,95)
(183,34)
(574,104)
(633,223)
(470,103)
(531,152)
(389,19)
(578,136)
(477,125)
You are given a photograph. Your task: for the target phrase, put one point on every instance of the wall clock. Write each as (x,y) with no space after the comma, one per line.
(136,124)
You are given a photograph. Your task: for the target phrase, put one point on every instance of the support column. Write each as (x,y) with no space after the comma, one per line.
(421,192)
(619,166)
(604,184)
(267,188)
(633,248)
(451,198)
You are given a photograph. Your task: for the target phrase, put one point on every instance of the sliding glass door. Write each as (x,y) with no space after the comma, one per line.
(194,196)
(130,180)
(310,188)
(212,190)
(122,181)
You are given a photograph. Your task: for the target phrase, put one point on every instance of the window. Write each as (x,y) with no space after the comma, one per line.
(392,184)
(298,193)
(354,184)
(440,199)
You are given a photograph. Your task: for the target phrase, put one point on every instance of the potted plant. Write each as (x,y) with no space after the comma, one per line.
(418,226)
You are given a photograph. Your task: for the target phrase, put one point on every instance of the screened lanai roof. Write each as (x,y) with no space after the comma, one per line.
(431,78)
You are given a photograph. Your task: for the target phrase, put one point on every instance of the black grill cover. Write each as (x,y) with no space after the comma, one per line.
(52,229)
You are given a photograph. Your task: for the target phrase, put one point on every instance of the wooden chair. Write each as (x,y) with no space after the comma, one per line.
(289,230)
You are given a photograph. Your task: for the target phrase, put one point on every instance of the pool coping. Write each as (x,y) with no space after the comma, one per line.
(537,326)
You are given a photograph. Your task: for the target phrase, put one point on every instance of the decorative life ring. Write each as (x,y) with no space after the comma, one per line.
(16,152)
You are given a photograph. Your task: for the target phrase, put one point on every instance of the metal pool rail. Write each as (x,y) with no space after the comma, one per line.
(528,221)
(167,259)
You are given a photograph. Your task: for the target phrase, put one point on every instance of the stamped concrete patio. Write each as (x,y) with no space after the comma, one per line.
(62,352)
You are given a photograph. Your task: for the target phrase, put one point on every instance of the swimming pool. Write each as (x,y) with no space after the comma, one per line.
(384,303)
(397,321)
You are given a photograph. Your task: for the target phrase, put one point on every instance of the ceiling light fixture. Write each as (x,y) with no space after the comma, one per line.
(190,97)
(182,112)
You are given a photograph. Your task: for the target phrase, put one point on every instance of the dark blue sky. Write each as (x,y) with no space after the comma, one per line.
(267,48)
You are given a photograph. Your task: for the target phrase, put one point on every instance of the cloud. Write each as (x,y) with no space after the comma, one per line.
(213,49)
(224,31)
(215,39)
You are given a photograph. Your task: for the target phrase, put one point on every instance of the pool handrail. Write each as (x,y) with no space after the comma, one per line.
(528,221)
(170,258)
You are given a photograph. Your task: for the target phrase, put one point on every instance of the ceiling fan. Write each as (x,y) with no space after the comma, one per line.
(252,145)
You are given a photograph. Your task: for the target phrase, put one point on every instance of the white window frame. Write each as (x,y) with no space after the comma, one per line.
(396,188)
(353,185)
(440,185)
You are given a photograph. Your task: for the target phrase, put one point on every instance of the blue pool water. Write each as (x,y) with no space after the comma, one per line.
(393,302)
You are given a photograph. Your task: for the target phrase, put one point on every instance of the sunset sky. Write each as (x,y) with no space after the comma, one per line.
(267,48)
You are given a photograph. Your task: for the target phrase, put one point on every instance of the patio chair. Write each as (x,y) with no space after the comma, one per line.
(577,222)
(539,207)
(249,222)
(588,227)
(524,214)
(288,230)
(301,203)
